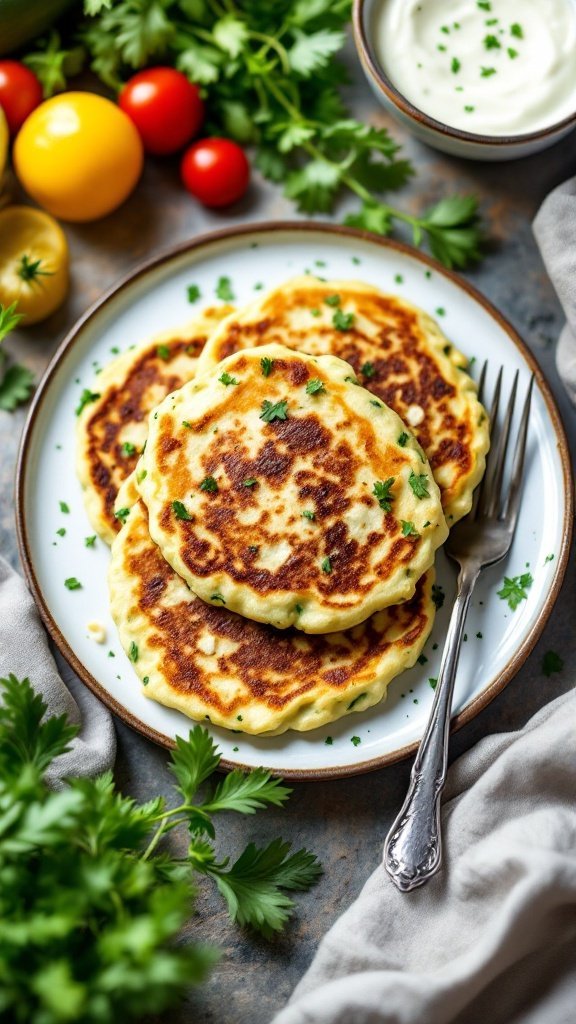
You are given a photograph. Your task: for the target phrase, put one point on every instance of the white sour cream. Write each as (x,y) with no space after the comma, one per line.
(503,67)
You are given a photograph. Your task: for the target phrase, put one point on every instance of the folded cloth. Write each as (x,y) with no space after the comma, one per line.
(24,651)
(555,231)
(493,936)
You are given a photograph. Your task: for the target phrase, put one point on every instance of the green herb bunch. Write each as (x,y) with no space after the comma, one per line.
(89,909)
(16,381)
(273,81)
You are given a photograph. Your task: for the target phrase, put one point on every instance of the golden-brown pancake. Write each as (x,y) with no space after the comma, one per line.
(397,351)
(112,426)
(212,664)
(281,490)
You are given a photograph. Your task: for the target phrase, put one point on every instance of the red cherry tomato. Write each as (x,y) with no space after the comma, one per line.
(20,93)
(216,171)
(165,107)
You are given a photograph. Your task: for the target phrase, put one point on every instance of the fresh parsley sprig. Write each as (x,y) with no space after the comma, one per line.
(273,81)
(90,898)
(17,381)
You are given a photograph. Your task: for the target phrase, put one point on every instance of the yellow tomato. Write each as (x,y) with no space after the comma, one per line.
(33,262)
(78,155)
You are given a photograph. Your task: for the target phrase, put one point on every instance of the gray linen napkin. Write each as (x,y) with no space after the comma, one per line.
(493,937)
(24,651)
(555,231)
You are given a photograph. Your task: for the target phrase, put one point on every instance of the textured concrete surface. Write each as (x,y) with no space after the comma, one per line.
(346,821)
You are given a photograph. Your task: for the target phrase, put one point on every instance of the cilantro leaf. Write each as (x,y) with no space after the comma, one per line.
(438,595)
(267,365)
(86,398)
(193,761)
(314,186)
(419,484)
(382,493)
(343,321)
(15,387)
(315,386)
(310,53)
(193,293)
(224,289)
(227,379)
(209,484)
(514,589)
(274,411)
(408,529)
(181,512)
(9,319)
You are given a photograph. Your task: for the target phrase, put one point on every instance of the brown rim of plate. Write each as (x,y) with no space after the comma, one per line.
(272,228)
(376,72)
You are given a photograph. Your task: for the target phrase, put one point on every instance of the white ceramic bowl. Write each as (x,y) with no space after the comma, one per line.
(469,145)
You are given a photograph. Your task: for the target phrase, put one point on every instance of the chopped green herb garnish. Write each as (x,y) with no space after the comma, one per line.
(224,289)
(356,260)
(356,700)
(355,740)
(486,72)
(65,508)
(142,475)
(145,680)
(551,662)
(193,292)
(377,404)
(163,352)
(307,514)
(250,482)
(180,511)
(438,595)
(86,397)
(218,597)
(382,493)
(351,380)
(433,682)
(368,370)
(484,5)
(133,653)
(128,448)
(419,484)
(332,300)
(122,514)
(512,53)
(227,379)
(328,741)
(89,542)
(343,321)
(274,411)
(445,30)
(403,438)
(267,365)
(61,532)
(408,529)
(441,48)
(549,558)
(479,636)
(422,659)
(455,66)
(315,311)
(72,583)
(326,565)
(209,484)
(187,424)
(258,286)
(492,42)
(315,386)
(516,30)
(514,589)
(440,311)
(298,608)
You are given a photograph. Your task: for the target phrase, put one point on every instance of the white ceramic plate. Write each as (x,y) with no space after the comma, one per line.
(155,298)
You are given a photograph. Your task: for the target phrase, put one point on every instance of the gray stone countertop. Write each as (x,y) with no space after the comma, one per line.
(343,821)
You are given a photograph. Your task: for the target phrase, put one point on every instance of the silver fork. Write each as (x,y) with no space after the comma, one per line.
(413,848)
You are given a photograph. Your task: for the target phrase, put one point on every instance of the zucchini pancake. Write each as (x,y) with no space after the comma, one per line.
(278,488)
(209,663)
(396,350)
(113,422)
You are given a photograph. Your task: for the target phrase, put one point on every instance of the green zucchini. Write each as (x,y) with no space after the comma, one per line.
(23,20)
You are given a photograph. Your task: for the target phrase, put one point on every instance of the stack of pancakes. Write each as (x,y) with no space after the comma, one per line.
(276,482)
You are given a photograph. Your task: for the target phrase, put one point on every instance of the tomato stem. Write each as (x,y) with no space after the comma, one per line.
(30,270)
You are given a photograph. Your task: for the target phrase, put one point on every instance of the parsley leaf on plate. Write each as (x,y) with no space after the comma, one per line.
(315,386)
(181,512)
(224,289)
(381,492)
(419,484)
(274,411)
(86,398)
(514,589)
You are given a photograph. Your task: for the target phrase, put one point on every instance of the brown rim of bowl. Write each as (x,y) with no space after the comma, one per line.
(376,72)
(273,228)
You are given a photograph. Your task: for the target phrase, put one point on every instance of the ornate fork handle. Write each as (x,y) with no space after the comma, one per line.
(413,850)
